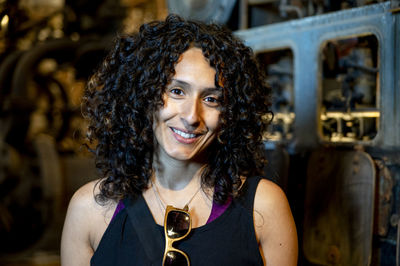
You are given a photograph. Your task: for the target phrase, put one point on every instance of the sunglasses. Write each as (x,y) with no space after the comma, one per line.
(177,226)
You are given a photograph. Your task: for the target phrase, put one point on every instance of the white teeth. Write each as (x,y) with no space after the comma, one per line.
(183,134)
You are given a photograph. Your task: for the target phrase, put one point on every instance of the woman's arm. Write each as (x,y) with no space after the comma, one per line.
(84,226)
(275,227)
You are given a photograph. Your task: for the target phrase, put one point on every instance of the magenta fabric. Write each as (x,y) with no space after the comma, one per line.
(120,206)
(216,211)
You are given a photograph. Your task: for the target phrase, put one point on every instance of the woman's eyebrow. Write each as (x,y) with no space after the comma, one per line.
(180,83)
(216,90)
(186,85)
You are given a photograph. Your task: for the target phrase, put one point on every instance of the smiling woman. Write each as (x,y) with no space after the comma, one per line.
(189,120)
(175,112)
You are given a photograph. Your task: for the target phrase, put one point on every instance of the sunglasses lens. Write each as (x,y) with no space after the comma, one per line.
(177,224)
(174,258)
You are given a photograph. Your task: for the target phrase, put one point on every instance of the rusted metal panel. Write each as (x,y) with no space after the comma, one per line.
(398,244)
(396,74)
(204,10)
(339,208)
(385,198)
(395,5)
(305,37)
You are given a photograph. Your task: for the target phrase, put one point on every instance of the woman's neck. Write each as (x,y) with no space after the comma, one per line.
(175,174)
(177,184)
(178,175)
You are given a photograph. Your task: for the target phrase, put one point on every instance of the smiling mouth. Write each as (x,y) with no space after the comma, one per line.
(184,134)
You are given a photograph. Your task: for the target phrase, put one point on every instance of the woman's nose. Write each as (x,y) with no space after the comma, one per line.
(191,114)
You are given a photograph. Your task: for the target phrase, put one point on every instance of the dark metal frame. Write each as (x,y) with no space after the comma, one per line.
(305,37)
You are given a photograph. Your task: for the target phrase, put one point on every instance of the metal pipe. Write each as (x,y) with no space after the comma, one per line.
(398,244)
(284,7)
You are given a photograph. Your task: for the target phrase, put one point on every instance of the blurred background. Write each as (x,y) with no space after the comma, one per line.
(333,144)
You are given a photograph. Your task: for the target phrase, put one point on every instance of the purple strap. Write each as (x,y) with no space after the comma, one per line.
(119,208)
(216,211)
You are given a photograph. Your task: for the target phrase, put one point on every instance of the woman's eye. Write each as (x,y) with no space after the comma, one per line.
(176,91)
(212,100)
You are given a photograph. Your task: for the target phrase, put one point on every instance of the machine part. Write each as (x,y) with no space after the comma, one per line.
(285,7)
(24,212)
(339,207)
(7,67)
(61,50)
(277,168)
(349,86)
(39,10)
(31,193)
(50,170)
(41,101)
(52,184)
(217,11)
(31,183)
(20,103)
(278,68)
(306,37)
(398,244)
(244,14)
(385,200)
(88,57)
(395,5)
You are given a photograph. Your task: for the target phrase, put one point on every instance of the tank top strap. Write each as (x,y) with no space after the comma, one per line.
(248,192)
(119,208)
(151,239)
(218,209)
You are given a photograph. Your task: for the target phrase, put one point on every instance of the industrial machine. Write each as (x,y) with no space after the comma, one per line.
(336,88)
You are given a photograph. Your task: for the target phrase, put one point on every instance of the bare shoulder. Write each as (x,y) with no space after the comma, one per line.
(84,226)
(270,203)
(274,225)
(85,210)
(83,199)
(84,206)
(269,196)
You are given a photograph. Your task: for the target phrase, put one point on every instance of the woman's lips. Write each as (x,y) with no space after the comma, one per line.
(184,137)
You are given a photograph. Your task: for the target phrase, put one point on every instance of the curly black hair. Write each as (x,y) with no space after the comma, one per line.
(127,89)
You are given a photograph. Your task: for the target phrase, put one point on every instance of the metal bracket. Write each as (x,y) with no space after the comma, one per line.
(395,6)
(398,244)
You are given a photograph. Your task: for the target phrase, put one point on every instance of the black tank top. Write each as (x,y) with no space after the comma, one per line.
(228,240)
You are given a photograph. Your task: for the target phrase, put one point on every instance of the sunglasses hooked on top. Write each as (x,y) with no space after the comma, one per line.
(177,226)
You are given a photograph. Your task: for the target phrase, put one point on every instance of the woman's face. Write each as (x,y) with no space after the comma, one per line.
(189,119)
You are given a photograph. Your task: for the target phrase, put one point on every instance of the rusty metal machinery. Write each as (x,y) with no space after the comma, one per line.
(41,127)
(336,80)
(206,10)
(41,157)
(306,39)
(338,225)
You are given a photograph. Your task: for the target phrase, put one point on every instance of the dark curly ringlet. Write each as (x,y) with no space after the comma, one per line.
(127,90)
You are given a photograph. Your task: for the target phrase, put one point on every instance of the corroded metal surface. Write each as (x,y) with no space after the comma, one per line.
(306,37)
(385,198)
(339,208)
(204,10)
